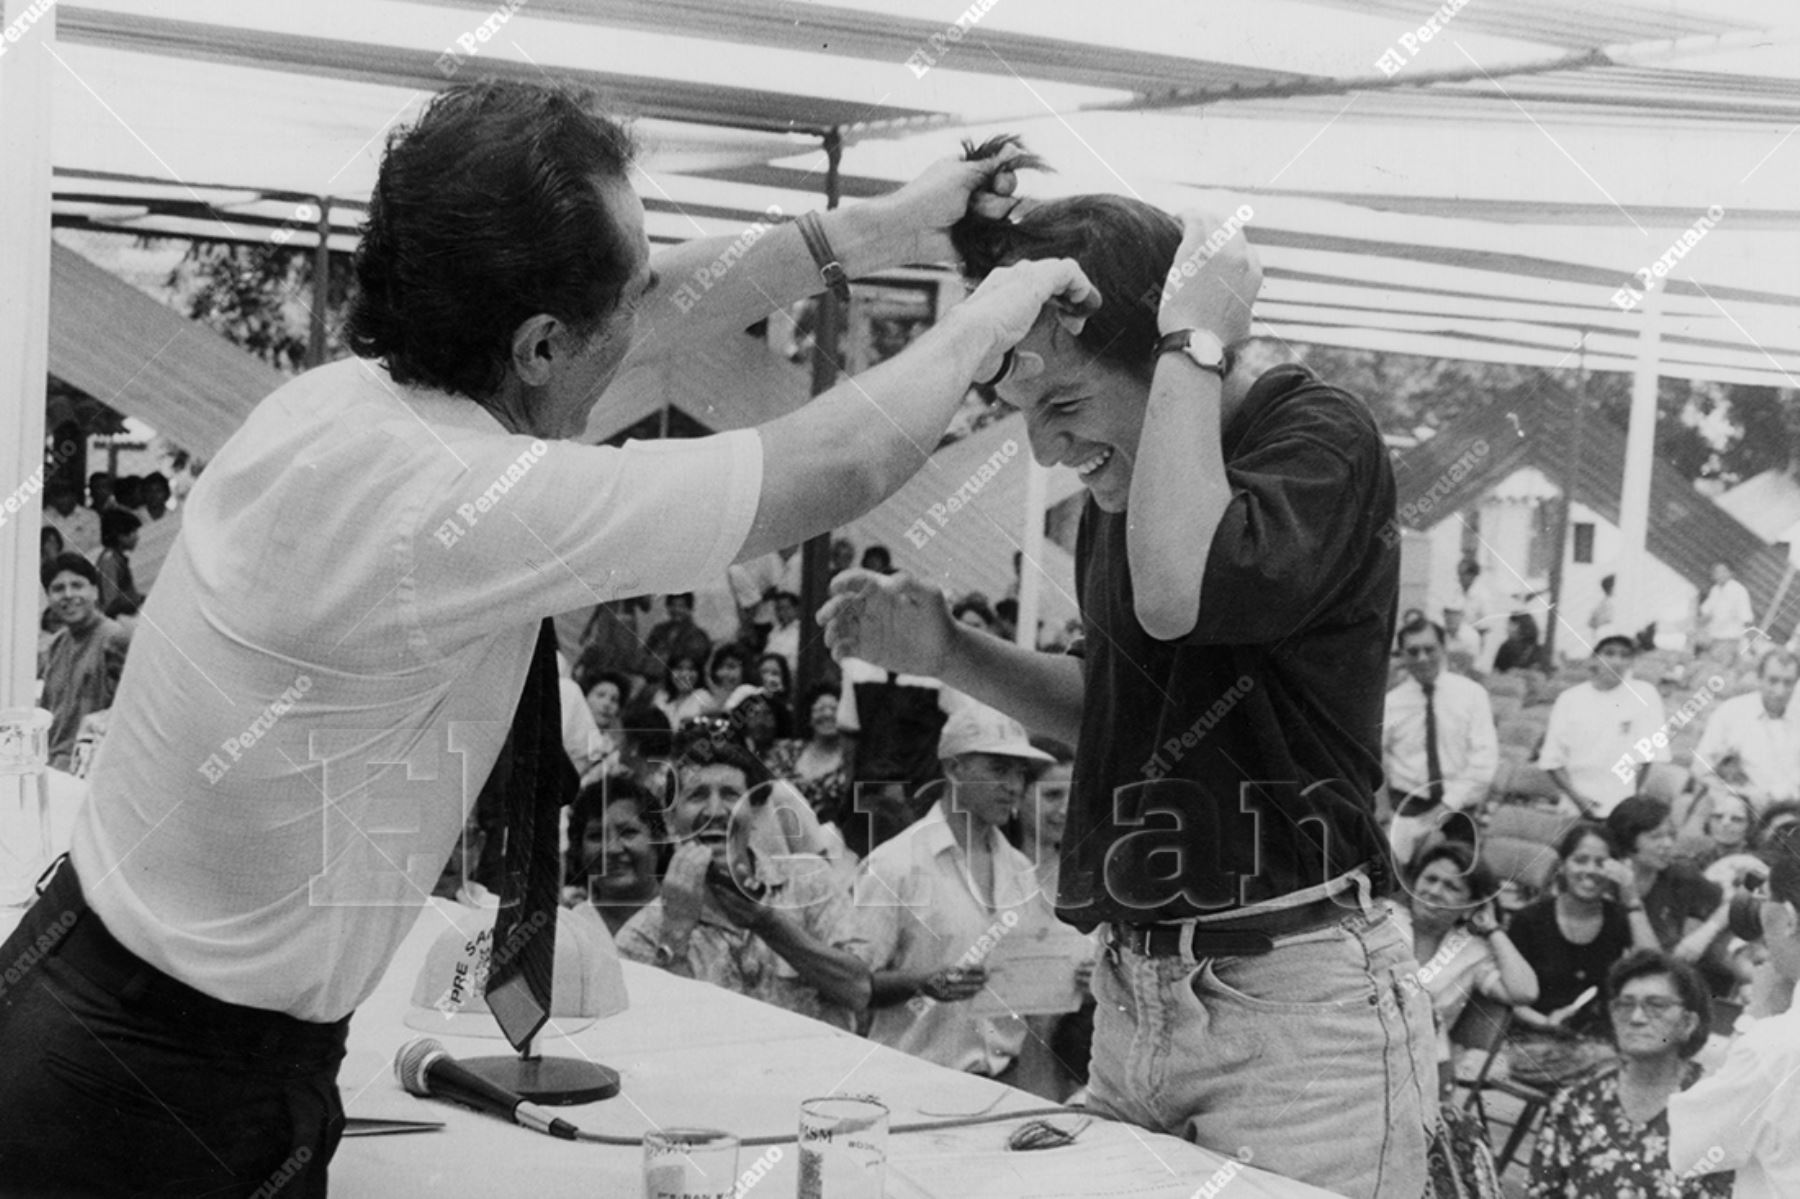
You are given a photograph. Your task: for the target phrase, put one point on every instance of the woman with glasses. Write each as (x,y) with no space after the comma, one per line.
(1609,1135)
(1571,939)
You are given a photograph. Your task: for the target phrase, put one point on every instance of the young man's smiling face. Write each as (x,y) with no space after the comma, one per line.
(1080,411)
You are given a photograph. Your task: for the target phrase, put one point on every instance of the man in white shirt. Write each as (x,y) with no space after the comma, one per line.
(345,626)
(1474,620)
(1603,732)
(753,584)
(1427,780)
(1745,1116)
(1759,733)
(784,638)
(933,899)
(1725,614)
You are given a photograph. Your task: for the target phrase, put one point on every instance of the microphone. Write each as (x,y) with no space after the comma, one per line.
(425,1067)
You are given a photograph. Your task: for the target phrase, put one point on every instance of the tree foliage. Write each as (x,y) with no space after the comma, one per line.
(260,297)
(1706,430)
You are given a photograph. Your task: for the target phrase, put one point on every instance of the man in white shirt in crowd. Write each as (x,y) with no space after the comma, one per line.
(1479,621)
(1758,731)
(344,629)
(784,638)
(1603,732)
(932,898)
(1427,781)
(1745,1116)
(754,583)
(1725,614)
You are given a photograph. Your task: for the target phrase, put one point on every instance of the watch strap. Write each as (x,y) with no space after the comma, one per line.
(812,231)
(1181,342)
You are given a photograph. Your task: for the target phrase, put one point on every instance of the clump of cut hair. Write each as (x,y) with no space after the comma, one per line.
(1124,246)
(486,213)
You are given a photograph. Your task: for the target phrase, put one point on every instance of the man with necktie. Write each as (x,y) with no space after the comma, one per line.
(1438,746)
(353,617)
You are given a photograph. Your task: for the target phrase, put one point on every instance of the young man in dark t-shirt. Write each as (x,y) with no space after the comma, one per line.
(1237,570)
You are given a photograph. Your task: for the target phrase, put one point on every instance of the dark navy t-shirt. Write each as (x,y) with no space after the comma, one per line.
(1239,763)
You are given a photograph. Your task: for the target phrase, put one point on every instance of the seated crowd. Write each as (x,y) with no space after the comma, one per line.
(849,852)
(92,591)
(841,853)
(1573,848)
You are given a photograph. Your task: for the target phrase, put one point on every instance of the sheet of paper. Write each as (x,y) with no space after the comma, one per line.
(1031,970)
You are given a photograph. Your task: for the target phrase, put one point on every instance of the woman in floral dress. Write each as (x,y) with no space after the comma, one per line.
(1608,1137)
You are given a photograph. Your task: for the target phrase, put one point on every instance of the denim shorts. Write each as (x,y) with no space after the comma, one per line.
(1315,1061)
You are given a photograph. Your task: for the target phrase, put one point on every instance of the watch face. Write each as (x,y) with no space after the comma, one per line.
(1204,348)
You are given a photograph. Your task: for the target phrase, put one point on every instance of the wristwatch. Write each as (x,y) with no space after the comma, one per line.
(1201,345)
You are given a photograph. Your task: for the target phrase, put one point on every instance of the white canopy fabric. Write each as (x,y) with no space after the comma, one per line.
(1483,190)
(1475,180)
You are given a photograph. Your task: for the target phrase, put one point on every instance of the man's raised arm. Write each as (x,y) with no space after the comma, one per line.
(728,282)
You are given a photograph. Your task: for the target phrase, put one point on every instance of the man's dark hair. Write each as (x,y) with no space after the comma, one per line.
(712,741)
(1124,246)
(1413,628)
(116,524)
(68,563)
(1771,815)
(1635,816)
(485,214)
(1780,852)
(1695,997)
(878,559)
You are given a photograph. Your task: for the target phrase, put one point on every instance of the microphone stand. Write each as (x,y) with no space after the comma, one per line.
(552,1081)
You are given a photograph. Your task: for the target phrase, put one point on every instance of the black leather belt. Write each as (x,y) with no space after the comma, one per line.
(92,949)
(1237,936)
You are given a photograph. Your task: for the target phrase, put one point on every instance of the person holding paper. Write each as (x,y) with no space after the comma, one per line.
(933,901)
(1238,574)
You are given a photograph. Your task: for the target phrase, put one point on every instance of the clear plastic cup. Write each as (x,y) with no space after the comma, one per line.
(843,1147)
(690,1163)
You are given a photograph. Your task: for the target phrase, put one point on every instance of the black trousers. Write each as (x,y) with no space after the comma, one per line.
(116,1079)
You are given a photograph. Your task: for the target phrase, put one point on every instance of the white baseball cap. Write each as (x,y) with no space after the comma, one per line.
(449,995)
(978,729)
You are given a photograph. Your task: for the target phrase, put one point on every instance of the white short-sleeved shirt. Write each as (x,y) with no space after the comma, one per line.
(1768,747)
(916,911)
(1726,611)
(1745,1116)
(1602,737)
(330,662)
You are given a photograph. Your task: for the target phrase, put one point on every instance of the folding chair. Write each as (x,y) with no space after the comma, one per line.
(1483,1026)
